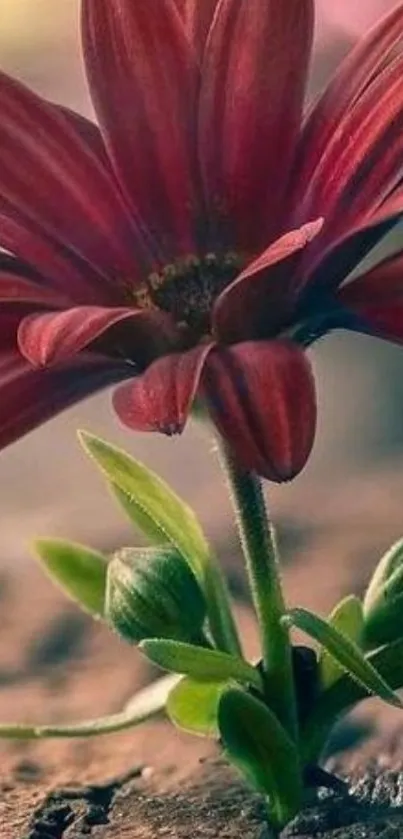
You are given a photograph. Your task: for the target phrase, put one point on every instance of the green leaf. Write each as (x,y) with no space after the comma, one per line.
(383,602)
(347,617)
(384,624)
(79,571)
(346,653)
(257,744)
(198,662)
(139,517)
(390,565)
(161,513)
(193,706)
(164,518)
(145,704)
(343,695)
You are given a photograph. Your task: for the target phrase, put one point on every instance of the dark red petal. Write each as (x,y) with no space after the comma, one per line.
(362,162)
(51,337)
(376,298)
(50,175)
(354,75)
(160,399)
(347,252)
(15,288)
(88,132)
(143,75)
(198,17)
(258,300)
(30,397)
(60,268)
(253,83)
(262,399)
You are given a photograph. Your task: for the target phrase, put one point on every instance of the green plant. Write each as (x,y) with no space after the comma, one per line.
(273,717)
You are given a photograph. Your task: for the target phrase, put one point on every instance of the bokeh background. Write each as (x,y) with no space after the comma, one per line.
(334,520)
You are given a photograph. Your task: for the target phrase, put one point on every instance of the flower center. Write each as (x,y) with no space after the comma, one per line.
(188,288)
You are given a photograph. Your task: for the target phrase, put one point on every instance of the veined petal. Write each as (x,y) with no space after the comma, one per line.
(253,83)
(88,132)
(161,398)
(50,175)
(258,301)
(60,268)
(51,337)
(143,75)
(332,267)
(198,17)
(354,75)
(261,397)
(19,289)
(376,298)
(362,162)
(30,397)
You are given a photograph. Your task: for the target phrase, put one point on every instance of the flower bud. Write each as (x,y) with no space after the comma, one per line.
(152,593)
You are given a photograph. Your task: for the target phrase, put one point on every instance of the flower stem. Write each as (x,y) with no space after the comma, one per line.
(261,558)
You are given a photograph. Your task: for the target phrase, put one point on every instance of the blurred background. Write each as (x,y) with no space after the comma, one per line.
(334,520)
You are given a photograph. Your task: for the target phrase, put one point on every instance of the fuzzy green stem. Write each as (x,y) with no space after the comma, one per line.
(145,704)
(261,558)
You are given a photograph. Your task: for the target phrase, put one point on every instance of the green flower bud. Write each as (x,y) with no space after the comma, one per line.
(152,593)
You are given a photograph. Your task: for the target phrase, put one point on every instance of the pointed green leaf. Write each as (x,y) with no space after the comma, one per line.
(164,518)
(162,514)
(343,695)
(383,601)
(390,565)
(193,706)
(200,663)
(347,617)
(145,704)
(79,571)
(257,744)
(139,517)
(346,653)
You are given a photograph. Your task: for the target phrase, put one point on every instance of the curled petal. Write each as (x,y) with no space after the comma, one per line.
(253,86)
(261,397)
(258,300)
(161,398)
(51,337)
(376,300)
(345,254)
(30,397)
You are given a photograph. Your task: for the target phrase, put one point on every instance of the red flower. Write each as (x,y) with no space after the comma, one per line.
(199,240)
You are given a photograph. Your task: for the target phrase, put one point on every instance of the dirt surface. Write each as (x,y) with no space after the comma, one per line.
(57,665)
